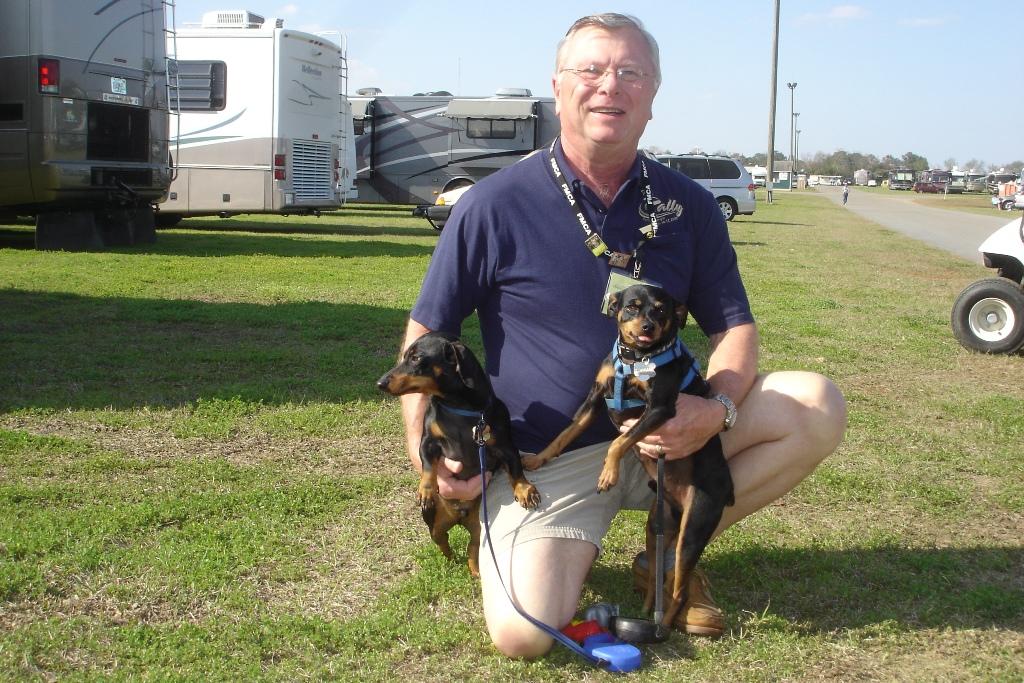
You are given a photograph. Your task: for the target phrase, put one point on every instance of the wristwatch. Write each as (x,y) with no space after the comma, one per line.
(730,411)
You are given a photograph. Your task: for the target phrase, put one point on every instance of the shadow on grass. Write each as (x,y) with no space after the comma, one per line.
(203,240)
(760,222)
(63,351)
(221,243)
(333,225)
(816,590)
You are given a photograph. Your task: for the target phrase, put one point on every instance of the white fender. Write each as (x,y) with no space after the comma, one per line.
(1006,240)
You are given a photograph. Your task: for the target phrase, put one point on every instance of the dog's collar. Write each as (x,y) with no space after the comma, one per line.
(480,429)
(462,411)
(666,353)
(645,368)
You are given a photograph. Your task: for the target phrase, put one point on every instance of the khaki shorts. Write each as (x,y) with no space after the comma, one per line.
(570,506)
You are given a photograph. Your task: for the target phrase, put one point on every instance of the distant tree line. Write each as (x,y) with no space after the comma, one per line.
(843,163)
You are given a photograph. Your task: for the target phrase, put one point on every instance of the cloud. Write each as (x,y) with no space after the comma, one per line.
(837,13)
(289,9)
(847,12)
(924,22)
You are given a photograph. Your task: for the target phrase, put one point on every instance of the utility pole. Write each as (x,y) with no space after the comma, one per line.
(796,147)
(771,106)
(792,131)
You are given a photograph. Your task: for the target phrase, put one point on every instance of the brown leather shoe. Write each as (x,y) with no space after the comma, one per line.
(700,615)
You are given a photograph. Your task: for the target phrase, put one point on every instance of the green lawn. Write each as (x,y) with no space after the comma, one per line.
(199,480)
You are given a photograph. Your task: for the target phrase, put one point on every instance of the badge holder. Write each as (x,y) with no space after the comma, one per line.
(616,283)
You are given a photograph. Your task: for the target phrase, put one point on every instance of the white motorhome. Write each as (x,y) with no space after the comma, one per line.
(83,118)
(262,124)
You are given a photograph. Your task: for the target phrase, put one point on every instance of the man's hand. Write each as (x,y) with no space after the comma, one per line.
(456,489)
(697,420)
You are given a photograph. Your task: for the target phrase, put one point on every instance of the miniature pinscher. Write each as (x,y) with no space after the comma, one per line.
(463,412)
(647,369)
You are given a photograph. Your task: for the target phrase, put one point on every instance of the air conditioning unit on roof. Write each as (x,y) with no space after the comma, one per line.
(234,18)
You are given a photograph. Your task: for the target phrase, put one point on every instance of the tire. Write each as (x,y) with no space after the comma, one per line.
(988,316)
(728,207)
(67,231)
(1006,205)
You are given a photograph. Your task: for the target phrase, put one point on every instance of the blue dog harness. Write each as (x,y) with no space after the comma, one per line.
(645,369)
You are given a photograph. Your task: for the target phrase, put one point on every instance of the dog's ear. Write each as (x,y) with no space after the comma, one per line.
(681,313)
(455,353)
(614,301)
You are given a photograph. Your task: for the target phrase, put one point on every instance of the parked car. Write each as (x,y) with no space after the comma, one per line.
(929,186)
(724,177)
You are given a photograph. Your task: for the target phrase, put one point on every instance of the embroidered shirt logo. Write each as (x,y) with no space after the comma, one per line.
(666,212)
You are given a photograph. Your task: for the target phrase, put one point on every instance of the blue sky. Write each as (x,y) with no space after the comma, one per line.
(942,79)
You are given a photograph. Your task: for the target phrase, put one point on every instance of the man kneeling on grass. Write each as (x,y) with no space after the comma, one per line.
(534,261)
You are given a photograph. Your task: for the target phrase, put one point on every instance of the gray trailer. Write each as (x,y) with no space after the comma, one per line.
(427,149)
(84,118)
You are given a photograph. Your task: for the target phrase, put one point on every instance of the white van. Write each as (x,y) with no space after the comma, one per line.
(724,177)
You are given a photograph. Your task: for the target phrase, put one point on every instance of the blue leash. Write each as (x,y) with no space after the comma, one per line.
(478,436)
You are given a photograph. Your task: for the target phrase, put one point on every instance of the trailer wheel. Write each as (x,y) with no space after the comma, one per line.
(988,316)
(67,231)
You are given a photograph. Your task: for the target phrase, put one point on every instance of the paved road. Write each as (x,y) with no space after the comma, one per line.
(958,232)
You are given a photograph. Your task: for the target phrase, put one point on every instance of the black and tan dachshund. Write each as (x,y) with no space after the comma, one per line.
(647,369)
(462,409)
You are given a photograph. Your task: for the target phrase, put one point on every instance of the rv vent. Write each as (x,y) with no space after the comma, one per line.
(232,19)
(513,92)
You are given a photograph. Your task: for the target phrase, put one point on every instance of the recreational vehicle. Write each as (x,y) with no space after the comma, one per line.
(901,179)
(425,149)
(83,118)
(260,123)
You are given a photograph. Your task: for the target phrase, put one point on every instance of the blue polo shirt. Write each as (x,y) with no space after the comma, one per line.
(513,251)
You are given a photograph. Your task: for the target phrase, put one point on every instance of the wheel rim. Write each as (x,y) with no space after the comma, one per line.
(991,319)
(726,208)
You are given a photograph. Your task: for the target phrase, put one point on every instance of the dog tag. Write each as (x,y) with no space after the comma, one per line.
(618,260)
(644,369)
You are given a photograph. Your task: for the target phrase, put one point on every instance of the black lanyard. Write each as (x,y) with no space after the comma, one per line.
(592,240)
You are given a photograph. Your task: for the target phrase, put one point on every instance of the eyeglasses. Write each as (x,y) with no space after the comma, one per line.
(593,73)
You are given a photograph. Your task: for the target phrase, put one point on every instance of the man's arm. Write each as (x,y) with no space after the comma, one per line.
(413,408)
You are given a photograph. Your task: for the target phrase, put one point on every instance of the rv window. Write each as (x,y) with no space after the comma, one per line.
(358,126)
(11,111)
(201,86)
(490,128)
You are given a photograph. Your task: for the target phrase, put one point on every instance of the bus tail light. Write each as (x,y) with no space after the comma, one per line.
(49,76)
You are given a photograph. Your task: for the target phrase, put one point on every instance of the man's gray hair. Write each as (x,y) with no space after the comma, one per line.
(612,22)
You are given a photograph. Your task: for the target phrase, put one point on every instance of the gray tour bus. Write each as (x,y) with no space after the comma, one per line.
(425,149)
(84,118)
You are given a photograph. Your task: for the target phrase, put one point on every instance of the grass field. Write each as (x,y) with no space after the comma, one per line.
(199,480)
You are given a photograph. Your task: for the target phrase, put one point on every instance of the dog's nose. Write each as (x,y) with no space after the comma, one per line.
(382,383)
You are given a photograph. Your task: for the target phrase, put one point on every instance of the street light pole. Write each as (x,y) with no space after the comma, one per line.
(798,150)
(796,144)
(792,130)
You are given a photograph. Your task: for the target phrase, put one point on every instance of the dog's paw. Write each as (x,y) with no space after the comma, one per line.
(527,495)
(609,478)
(425,498)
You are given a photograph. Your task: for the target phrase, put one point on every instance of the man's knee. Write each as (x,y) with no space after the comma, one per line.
(515,637)
(820,415)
